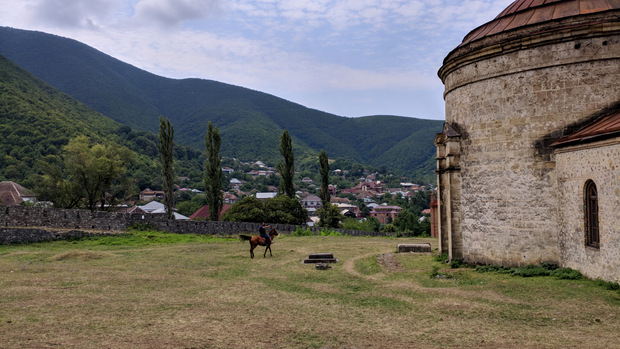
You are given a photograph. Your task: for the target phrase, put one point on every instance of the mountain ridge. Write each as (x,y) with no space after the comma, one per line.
(249,121)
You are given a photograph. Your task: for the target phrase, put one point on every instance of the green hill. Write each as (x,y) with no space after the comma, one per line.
(249,121)
(37,120)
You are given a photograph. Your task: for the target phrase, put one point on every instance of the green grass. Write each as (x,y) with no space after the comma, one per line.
(149,289)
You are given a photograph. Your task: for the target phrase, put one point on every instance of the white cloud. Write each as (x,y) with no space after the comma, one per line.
(286,47)
(90,14)
(170,13)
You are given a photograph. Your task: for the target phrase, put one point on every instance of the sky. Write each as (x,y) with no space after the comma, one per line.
(347,57)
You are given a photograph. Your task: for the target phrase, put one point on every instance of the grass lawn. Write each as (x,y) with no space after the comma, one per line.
(155,290)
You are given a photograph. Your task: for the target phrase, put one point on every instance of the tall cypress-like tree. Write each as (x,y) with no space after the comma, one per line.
(166,148)
(213,179)
(324,170)
(287,166)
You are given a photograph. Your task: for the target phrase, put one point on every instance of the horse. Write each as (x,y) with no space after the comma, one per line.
(256,240)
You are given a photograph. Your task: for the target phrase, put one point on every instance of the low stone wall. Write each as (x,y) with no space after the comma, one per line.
(28,235)
(108,222)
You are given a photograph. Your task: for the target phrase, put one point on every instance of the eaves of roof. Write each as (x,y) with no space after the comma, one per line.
(604,127)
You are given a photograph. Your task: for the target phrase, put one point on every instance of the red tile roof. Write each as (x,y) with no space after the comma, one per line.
(12,193)
(604,127)
(528,12)
(203,212)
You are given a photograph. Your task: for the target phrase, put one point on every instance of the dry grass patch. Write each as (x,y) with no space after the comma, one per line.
(78,254)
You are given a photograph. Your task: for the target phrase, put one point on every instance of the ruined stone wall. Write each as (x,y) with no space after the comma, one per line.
(105,222)
(575,166)
(507,105)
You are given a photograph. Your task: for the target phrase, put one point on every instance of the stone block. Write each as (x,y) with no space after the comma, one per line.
(419,248)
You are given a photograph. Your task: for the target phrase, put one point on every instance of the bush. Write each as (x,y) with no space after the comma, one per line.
(530,271)
(493,268)
(435,274)
(442,257)
(456,263)
(389,228)
(566,274)
(608,285)
(302,232)
(329,232)
(544,269)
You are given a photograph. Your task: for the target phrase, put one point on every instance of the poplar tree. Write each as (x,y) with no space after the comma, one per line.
(213,178)
(324,170)
(166,148)
(286,167)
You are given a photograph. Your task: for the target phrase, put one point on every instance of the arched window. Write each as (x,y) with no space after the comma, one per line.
(591,214)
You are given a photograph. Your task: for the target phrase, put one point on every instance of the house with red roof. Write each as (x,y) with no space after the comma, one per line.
(12,193)
(385,213)
(203,213)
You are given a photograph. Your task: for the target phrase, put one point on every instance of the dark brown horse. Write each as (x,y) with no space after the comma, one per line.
(256,240)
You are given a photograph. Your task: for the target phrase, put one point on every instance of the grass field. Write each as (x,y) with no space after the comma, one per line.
(155,290)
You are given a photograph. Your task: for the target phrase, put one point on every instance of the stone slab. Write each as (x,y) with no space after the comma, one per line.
(421,248)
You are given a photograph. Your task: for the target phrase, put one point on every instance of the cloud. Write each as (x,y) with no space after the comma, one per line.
(71,13)
(291,48)
(169,13)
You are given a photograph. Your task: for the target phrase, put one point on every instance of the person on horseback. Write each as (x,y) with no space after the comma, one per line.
(263,233)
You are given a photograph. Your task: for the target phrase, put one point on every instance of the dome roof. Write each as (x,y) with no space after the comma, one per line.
(527,12)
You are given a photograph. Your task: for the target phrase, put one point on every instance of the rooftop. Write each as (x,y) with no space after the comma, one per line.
(607,126)
(523,13)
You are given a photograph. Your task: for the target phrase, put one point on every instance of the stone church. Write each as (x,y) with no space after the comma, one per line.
(528,163)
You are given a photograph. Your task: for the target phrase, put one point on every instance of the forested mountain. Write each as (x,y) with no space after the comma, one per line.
(37,121)
(250,122)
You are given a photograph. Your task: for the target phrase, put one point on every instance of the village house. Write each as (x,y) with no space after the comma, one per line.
(311,203)
(12,193)
(149,195)
(236,183)
(348,210)
(230,198)
(385,213)
(203,213)
(155,207)
(265,196)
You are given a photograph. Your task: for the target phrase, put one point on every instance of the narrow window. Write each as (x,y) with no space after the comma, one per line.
(591,208)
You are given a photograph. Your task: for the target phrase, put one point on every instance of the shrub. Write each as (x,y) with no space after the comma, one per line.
(456,263)
(530,271)
(302,232)
(435,274)
(566,274)
(608,285)
(493,268)
(329,232)
(442,257)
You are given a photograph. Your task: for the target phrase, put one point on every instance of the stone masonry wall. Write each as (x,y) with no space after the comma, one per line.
(107,222)
(575,166)
(507,106)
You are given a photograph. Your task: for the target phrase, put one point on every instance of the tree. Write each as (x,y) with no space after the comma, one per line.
(324,192)
(330,216)
(284,210)
(213,179)
(166,149)
(54,187)
(248,209)
(324,170)
(91,175)
(286,167)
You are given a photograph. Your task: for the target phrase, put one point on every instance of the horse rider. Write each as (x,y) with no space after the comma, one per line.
(263,233)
